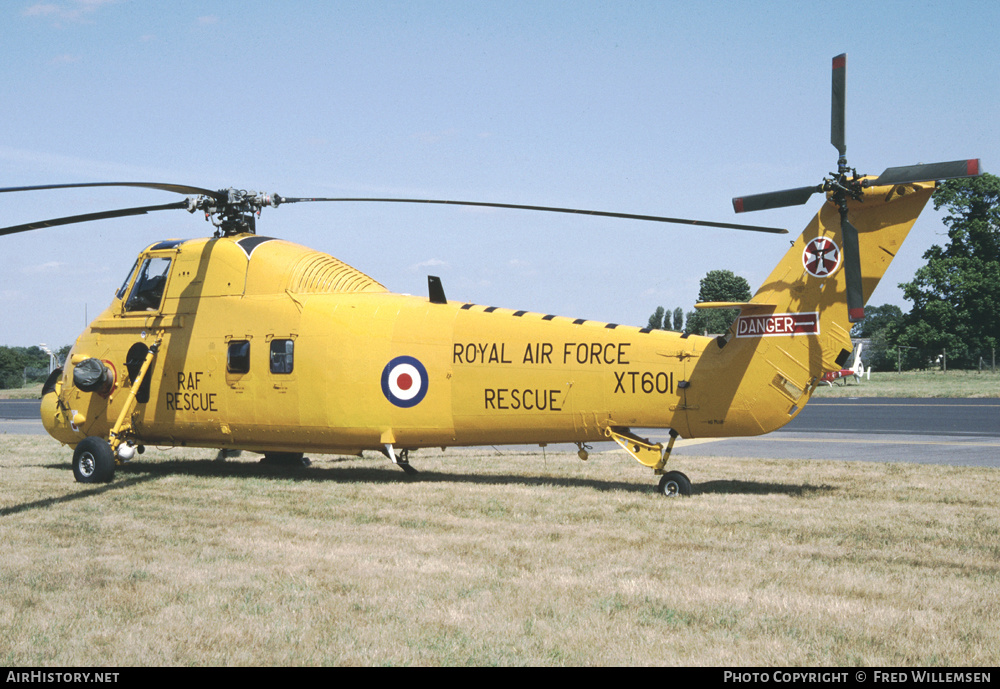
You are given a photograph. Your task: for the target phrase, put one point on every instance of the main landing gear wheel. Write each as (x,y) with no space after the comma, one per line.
(674,484)
(93,461)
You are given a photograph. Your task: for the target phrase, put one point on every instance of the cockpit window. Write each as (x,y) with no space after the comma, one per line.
(147,293)
(121,290)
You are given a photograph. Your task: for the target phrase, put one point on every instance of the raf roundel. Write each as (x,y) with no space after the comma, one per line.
(821,257)
(404,381)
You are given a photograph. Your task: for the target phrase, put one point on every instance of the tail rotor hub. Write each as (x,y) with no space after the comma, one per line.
(846,183)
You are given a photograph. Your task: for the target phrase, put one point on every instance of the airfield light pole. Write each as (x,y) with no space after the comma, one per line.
(52,357)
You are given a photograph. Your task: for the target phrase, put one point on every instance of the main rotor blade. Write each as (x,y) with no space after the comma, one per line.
(929,171)
(577,211)
(774,199)
(176,188)
(838,103)
(142,210)
(852,270)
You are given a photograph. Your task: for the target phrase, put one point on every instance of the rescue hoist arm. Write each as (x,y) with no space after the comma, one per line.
(115,437)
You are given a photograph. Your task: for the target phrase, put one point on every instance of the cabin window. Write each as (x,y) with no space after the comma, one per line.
(238,356)
(147,293)
(282,356)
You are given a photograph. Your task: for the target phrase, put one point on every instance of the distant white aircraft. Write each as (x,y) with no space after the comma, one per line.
(856,371)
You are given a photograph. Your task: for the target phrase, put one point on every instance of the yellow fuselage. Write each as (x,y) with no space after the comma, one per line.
(267,345)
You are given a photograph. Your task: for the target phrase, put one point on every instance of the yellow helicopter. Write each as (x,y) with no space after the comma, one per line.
(246,342)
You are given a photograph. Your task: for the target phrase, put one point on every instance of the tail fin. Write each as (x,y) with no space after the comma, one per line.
(810,280)
(796,326)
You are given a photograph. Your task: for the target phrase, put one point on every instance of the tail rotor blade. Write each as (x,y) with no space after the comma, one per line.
(838,105)
(774,199)
(852,270)
(930,171)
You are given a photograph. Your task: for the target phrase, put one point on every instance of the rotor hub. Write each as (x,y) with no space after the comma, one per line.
(232,211)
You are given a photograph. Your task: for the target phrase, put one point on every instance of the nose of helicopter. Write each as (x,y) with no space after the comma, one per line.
(59,422)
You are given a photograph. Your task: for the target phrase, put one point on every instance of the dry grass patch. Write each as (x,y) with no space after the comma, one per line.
(486,559)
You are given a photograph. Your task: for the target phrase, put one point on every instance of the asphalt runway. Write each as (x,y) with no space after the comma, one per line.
(962,432)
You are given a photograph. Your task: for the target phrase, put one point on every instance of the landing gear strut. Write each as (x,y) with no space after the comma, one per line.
(654,456)
(402,460)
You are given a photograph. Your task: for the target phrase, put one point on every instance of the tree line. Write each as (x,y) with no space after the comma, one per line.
(954,320)
(717,285)
(20,366)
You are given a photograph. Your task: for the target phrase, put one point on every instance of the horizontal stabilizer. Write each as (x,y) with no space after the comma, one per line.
(734,305)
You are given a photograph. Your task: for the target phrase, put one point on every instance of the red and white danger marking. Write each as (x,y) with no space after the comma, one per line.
(778,324)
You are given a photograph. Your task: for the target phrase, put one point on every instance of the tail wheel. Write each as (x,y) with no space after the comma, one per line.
(674,484)
(93,461)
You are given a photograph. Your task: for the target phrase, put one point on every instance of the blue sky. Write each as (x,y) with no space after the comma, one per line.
(643,107)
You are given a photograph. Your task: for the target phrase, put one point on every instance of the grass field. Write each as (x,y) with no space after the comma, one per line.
(495,559)
(30,392)
(918,384)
